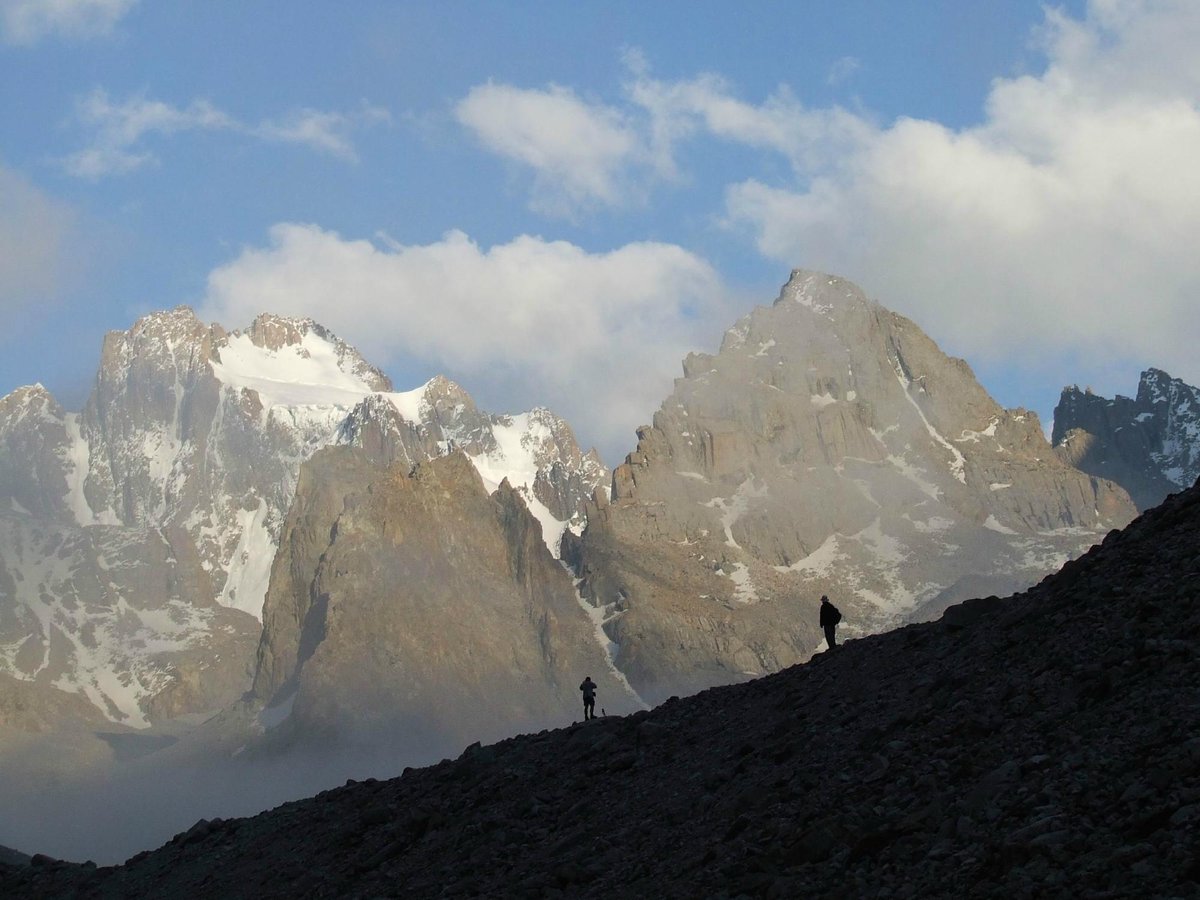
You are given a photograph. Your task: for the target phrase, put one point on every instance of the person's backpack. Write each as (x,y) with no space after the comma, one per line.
(837,614)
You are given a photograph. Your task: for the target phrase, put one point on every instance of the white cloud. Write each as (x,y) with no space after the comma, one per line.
(597,337)
(580,152)
(586,155)
(28,21)
(120,130)
(327,132)
(41,252)
(1065,223)
(706,105)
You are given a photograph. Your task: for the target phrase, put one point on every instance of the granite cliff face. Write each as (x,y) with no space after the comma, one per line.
(1150,444)
(829,447)
(137,537)
(416,606)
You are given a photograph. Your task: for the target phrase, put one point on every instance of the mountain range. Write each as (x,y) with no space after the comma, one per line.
(1041,745)
(249,548)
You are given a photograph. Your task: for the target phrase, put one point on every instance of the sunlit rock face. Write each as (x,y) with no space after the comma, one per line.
(418,606)
(828,447)
(138,535)
(1150,444)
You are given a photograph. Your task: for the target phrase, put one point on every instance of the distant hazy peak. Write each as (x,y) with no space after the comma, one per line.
(30,399)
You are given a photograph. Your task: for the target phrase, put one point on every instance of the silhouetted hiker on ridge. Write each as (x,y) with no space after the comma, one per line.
(589,698)
(830,616)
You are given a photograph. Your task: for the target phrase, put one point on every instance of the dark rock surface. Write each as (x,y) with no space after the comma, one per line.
(13,857)
(1149,444)
(1040,746)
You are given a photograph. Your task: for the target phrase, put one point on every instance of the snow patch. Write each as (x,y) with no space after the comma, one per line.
(412,405)
(304,374)
(250,566)
(993,524)
(743,585)
(77,462)
(516,458)
(822,561)
(958,461)
(735,507)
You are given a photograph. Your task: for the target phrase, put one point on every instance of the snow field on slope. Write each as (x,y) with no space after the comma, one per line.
(304,374)
(249,572)
(112,647)
(515,458)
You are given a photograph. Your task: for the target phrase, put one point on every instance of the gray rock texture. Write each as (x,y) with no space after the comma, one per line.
(1149,444)
(829,447)
(1038,746)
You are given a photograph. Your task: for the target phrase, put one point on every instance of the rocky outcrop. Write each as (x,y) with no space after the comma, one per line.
(829,447)
(1150,444)
(1041,745)
(418,607)
(35,456)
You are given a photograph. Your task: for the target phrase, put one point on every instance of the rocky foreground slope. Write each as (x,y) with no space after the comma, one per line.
(1043,745)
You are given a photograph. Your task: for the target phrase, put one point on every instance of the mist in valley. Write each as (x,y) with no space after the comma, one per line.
(108,816)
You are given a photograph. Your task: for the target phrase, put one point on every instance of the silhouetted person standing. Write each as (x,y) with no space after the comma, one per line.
(830,616)
(589,698)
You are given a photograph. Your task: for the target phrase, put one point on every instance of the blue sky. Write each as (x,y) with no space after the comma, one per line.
(553,202)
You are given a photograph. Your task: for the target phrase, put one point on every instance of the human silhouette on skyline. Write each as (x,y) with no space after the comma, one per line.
(589,698)
(830,616)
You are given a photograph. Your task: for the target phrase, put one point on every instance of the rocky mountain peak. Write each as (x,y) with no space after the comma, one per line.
(31,400)
(275,333)
(1150,444)
(821,292)
(829,447)
(167,324)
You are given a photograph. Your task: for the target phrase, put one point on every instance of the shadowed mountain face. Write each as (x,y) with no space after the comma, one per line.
(1041,745)
(1150,445)
(418,609)
(829,447)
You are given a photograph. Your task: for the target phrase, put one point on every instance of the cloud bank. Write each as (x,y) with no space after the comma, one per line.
(597,337)
(1058,232)
(1064,222)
